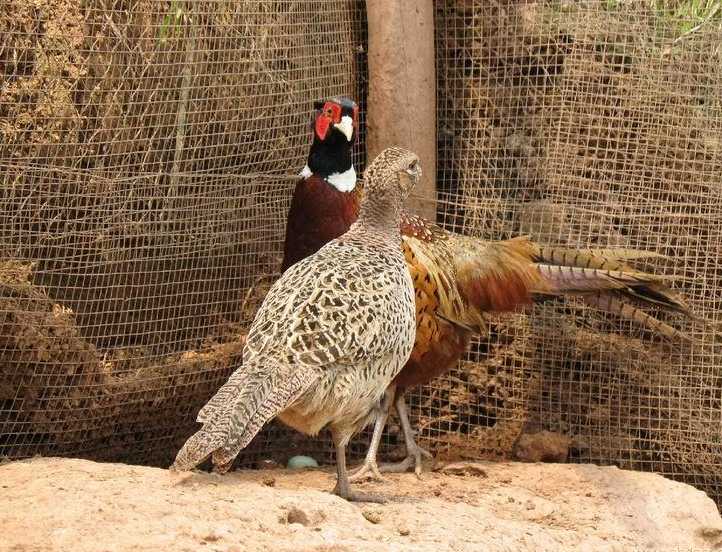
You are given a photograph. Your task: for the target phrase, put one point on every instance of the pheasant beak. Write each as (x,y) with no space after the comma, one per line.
(323,123)
(346,127)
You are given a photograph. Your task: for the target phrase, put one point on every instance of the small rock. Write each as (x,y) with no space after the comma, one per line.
(544,446)
(269,481)
(404,531)
(296,515)
(212,537)
(373,516)
(464,468)
(710,532)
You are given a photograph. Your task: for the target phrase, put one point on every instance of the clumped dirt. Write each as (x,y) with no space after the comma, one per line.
(55,505)
(116,122)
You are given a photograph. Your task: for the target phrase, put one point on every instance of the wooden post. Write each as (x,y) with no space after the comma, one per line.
(402,88)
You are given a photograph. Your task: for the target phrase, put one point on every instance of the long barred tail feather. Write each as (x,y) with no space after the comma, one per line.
(196,449)
(605,280)
(571,279)
(603,259)
(608,303)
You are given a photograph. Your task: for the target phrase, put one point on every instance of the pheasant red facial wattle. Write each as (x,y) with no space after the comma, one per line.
(329,115)
(339,113)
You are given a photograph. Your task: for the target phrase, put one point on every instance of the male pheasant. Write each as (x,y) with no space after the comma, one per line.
(457,279)
(329,338)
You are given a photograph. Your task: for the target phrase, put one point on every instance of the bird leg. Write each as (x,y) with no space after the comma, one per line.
(342,487)
(414,452)
(370,468)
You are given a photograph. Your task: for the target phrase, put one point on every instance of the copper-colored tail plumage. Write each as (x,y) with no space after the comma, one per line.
(467,277)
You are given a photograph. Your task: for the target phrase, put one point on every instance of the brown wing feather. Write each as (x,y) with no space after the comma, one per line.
(439,343)
(456,280)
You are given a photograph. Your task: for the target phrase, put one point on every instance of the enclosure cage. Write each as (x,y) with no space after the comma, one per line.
(149,148)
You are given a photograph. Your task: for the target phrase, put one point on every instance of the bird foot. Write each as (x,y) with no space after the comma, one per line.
(413,458)
(353,496)
(368,470)
(221,469)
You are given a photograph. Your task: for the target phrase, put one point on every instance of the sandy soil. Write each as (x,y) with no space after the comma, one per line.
(55,504)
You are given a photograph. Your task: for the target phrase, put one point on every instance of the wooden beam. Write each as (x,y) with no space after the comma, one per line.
(402,88)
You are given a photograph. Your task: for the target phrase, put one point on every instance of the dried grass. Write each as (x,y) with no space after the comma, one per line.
(140,141)
(61,395)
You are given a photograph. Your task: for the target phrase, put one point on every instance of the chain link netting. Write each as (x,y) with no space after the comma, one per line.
(148,155)
(586,124)
(148,151)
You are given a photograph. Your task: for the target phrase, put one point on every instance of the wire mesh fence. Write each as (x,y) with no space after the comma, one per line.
(586,124)
(147,160)
(148,150)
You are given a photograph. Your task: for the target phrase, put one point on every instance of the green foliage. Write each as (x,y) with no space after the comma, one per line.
(172,22)
(688,14)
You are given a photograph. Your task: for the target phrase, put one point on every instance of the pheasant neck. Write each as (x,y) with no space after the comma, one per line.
(381,212)
(331,160)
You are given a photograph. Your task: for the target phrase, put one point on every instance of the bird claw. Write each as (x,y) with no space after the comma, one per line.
(353,496)
(413,458)
(368,470)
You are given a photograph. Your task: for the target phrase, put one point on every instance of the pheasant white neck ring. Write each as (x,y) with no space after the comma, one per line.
(345,127)
(343,182)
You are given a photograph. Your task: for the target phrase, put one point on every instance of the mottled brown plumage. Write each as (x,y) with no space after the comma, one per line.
(329,338)
(458,279)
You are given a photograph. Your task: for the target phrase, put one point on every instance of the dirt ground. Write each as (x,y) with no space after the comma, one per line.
(52,504)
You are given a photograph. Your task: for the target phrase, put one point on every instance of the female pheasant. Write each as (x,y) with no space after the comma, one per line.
(457,279)
(329,338)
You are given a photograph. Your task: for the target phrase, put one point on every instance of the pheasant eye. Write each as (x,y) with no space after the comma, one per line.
(332,111)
